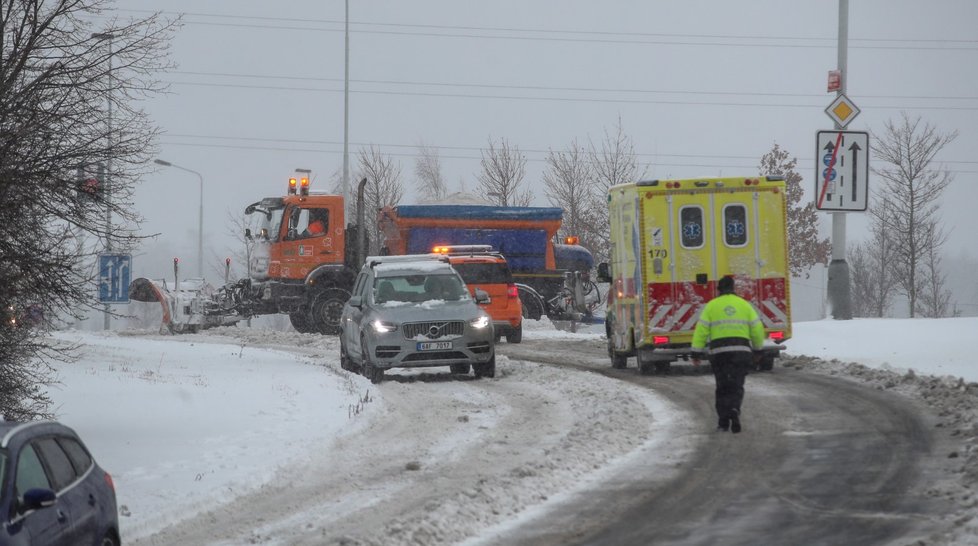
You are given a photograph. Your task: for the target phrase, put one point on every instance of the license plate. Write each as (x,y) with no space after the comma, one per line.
(434,345)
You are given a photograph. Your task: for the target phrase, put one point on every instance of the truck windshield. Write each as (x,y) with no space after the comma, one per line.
(269,221)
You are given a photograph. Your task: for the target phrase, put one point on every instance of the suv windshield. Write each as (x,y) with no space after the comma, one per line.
(484,273)
(418,288)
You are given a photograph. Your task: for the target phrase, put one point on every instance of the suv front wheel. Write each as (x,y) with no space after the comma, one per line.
(371,372)
(486,370)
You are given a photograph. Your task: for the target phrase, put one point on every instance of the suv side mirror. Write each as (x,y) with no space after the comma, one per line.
(356,301)
(482,297)
(604,272)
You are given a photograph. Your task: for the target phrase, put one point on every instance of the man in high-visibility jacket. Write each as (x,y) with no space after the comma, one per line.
(729,330)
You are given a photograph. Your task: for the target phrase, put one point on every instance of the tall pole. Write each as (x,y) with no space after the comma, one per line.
(107,183)
(200,214)
(346,109)
(838,282)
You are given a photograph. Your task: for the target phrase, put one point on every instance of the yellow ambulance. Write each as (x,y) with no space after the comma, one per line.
(671,241)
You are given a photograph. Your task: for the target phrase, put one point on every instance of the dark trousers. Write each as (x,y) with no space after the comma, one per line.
(730,369)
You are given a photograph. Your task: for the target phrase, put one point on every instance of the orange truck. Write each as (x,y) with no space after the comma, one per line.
(302,261)
(671,241)
(552,278)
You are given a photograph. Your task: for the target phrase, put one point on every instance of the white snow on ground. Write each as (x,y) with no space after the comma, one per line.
(185,422)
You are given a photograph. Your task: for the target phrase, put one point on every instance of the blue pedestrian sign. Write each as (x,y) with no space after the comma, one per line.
(114,276)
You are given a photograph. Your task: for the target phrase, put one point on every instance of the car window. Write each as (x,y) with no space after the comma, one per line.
(30,472)
(418,288)
(62,473)
(80,459)
(484,273)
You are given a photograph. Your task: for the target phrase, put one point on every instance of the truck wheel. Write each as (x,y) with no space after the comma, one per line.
(515,335)
(326,310)
(300,321)
(486,370)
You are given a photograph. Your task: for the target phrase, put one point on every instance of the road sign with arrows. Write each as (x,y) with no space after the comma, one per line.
(842,171)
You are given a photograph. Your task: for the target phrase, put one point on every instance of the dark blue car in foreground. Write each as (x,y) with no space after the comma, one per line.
(51,490)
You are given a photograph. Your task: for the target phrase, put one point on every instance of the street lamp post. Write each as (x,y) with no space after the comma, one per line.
(200,215)
(106,184)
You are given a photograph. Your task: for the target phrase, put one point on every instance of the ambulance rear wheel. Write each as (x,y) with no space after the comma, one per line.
(766,363)
(618,360)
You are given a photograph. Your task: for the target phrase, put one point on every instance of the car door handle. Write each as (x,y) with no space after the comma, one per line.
(62,517)
(91,499)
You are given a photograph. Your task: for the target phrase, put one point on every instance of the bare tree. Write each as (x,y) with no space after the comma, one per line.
(871,266)
(805,247)
(934,297)
(911,187)
(63,162)
(613,162)
(384,187)
(427,169)
(503,168)
(568,182)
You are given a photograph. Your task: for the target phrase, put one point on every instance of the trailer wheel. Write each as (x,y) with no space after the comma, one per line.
(326,310)
(533,306)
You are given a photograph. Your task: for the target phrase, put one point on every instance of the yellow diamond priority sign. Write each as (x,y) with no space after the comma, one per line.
(842,111)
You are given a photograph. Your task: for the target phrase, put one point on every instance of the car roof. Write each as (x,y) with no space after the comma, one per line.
(412,263)
(10,429)
(477,258)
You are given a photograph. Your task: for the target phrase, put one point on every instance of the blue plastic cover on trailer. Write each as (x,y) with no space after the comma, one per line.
(525,249)
(482,212)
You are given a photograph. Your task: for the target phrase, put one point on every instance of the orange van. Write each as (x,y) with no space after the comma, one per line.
(481,267)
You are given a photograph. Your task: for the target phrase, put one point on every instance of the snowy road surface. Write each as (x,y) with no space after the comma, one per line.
(576,452)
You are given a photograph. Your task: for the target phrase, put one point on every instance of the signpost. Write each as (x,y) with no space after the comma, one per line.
(842,172)
(114,276)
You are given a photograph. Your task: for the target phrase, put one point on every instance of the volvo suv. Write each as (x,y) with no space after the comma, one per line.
(415,311)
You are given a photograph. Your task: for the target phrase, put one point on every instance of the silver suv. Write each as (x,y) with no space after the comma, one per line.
(414,311)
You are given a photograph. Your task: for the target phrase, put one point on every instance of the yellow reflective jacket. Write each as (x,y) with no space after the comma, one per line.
(728,316)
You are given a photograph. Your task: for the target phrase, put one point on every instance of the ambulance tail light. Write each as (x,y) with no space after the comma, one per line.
(660,340)
(293,185)
(512,292)
(776,336)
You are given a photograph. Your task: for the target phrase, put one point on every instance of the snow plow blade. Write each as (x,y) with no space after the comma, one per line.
(184,306)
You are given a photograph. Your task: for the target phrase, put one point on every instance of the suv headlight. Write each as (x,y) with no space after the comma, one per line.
(382,326)
(480,322)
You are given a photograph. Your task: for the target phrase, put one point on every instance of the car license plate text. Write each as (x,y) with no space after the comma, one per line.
(434,345)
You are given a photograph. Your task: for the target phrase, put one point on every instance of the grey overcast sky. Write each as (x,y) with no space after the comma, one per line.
(703,87)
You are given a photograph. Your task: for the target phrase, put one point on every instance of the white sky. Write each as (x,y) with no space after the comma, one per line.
(185,422)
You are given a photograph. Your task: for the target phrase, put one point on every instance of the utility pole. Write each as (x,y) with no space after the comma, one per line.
(346,110)
(838,283)
(107,182)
